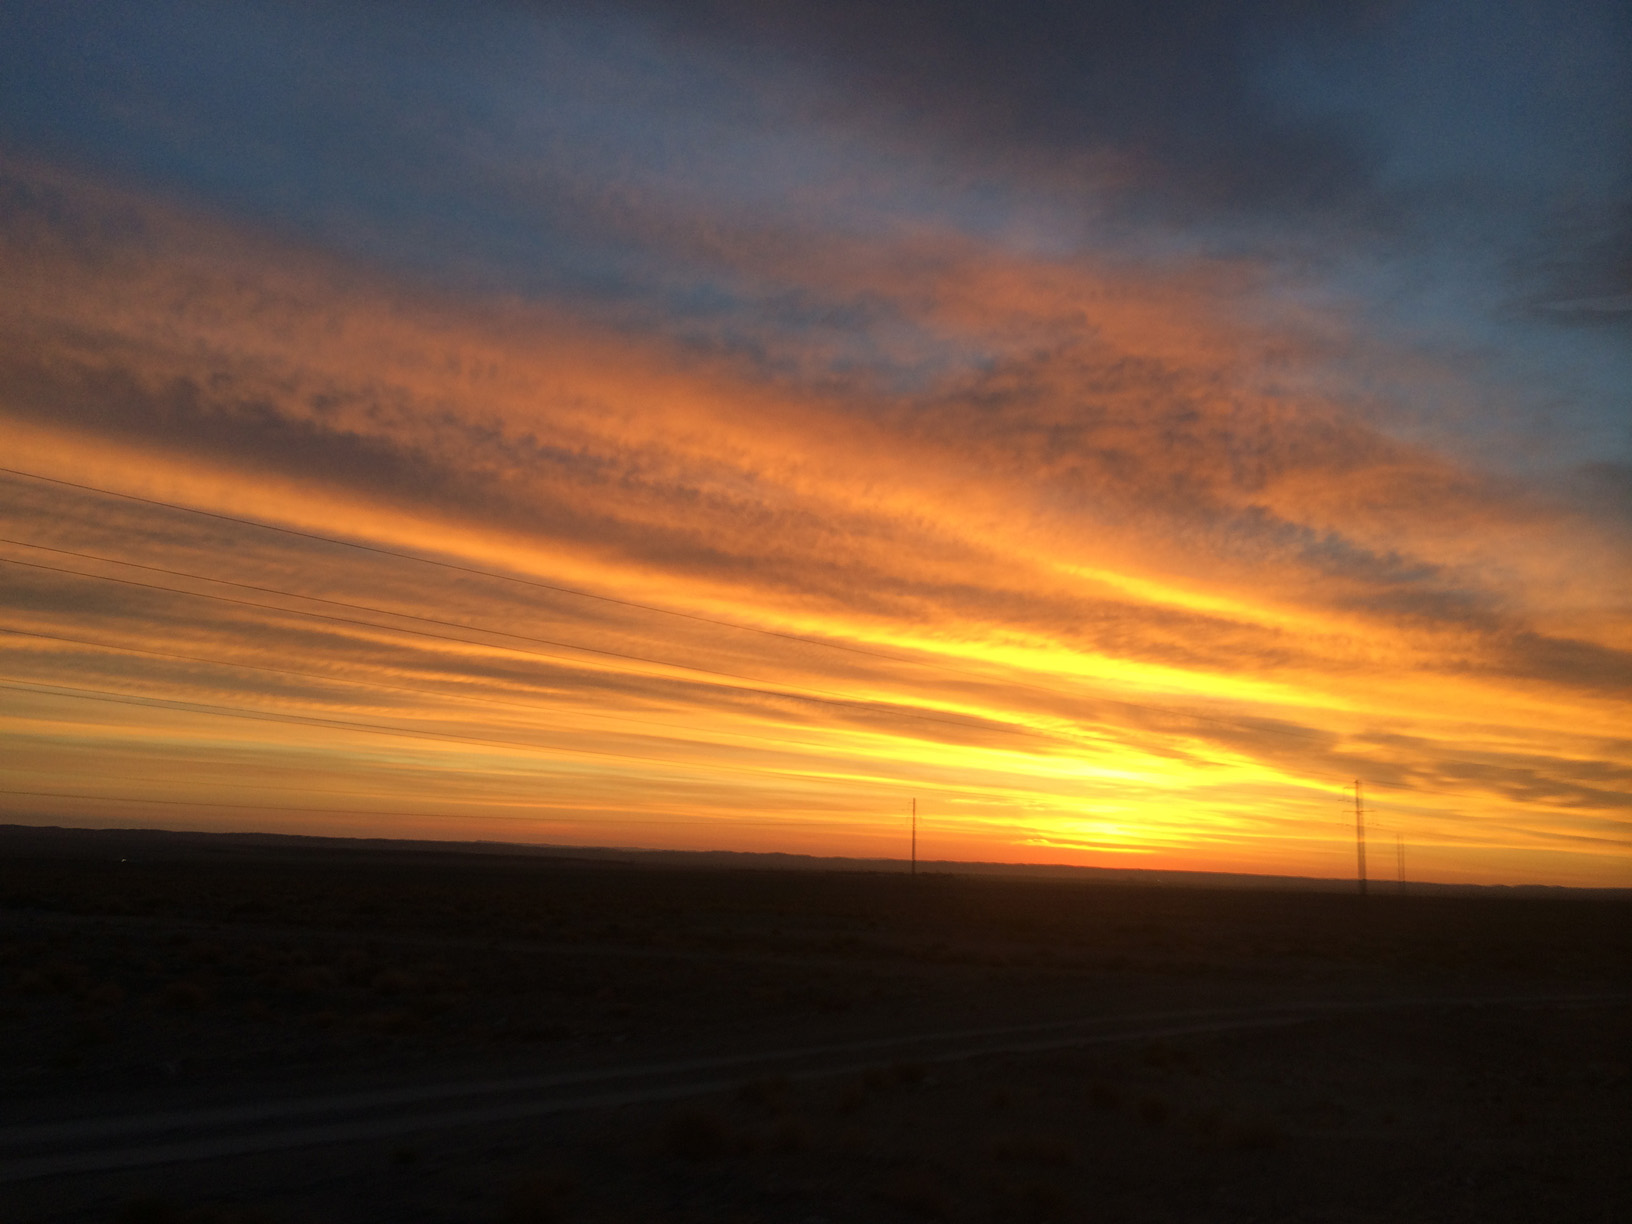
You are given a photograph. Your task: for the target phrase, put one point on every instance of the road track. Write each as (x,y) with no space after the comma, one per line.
(102,1144)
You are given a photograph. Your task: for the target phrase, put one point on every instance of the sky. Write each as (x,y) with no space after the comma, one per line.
(1115,427)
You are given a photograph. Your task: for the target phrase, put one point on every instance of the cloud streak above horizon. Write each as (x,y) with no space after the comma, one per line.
(793,414)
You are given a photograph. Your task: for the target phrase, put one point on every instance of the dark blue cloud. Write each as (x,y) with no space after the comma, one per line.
(1443,170)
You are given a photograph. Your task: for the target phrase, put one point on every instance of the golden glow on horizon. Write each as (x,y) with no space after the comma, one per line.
(1061,660)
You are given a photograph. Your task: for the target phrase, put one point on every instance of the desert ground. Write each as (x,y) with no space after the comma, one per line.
(208,1030)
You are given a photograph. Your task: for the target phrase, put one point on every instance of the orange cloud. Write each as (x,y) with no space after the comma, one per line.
(1130,578)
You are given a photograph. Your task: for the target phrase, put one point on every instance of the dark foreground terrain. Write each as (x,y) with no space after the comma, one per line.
(198,1029)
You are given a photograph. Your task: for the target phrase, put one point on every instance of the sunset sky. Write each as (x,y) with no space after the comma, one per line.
(1117,426)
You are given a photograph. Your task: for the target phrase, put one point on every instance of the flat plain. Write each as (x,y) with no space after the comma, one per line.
(207,1029)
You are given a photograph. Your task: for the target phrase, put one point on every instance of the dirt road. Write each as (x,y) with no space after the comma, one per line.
(99,1144)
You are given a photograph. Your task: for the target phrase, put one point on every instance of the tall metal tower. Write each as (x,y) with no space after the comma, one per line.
(1360,835)
(1399,857)
(915,837)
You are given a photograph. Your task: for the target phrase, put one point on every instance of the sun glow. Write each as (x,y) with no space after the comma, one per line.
(534,577)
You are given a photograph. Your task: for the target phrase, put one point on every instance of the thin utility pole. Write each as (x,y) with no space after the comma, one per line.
(915,837)
(1360,836)
(1399,857)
